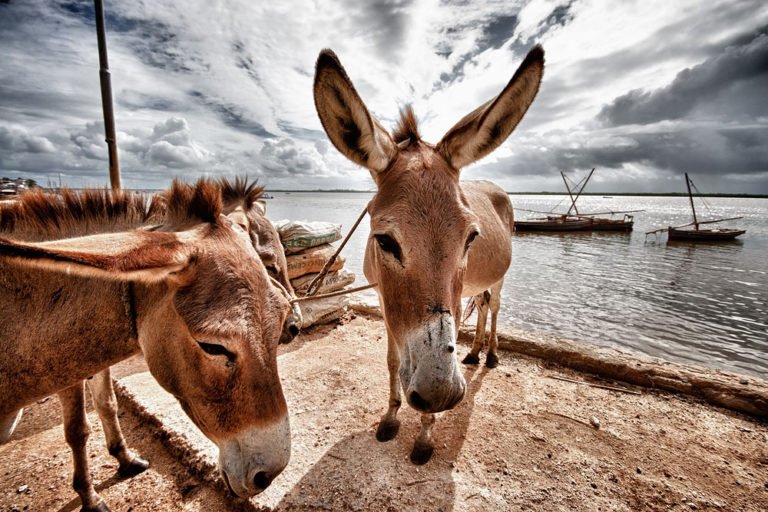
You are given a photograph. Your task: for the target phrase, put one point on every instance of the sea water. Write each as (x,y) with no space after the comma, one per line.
(700,303)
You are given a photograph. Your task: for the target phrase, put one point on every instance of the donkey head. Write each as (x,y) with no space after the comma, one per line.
(421,226)
(207,319)
(243,205)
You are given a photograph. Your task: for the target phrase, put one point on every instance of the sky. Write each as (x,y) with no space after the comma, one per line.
(640,90)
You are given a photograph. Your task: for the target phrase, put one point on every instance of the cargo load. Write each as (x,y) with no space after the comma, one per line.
(312,261)
(299,235)
(333,281)
(323,311)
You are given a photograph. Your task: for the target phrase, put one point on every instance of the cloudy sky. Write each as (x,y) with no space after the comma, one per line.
(641,90)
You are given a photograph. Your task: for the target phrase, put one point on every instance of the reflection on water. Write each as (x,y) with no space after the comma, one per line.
(689,302)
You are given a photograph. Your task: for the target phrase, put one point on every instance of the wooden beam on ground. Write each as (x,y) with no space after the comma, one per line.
(738,392)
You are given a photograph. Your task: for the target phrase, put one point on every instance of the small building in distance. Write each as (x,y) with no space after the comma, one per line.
(10,187)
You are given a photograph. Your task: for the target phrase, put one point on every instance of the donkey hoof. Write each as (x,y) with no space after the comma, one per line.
(421,453)
(133,468)
(491,360)
(101,506)
(387,430)
(470,359)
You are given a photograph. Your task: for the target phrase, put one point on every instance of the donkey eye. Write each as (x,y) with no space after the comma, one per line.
(214,349)
(272,270)
(388,244)
(470,239)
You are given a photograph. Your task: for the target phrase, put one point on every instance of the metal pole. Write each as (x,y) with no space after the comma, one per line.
(106,97)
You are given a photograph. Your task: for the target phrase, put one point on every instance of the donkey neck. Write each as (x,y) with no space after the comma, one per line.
(47,343)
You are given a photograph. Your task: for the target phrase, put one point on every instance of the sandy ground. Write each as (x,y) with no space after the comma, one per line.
(520,440)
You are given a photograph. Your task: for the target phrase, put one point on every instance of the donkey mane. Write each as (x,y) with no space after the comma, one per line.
(41,215)
(184,202)
(240,192)
(407,129)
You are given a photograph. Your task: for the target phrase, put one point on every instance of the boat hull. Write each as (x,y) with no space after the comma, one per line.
(553,225)
(612,225)
(705,235)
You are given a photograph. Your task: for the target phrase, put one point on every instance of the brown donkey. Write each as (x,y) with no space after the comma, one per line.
(243,204)
(191,294)
(433,238)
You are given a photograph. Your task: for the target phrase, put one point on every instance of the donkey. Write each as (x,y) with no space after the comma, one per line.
(433,239)
(243,204)
(191,294)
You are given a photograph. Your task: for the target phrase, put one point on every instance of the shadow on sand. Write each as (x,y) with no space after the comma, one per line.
(360,473)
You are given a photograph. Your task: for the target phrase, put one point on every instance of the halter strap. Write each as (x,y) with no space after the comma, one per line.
(126,296)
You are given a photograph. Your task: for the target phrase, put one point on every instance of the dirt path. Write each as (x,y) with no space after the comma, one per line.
(38,461)
(520,440)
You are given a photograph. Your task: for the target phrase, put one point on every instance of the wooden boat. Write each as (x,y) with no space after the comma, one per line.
(560,223)
(696,234)
(603,224)
(625,224)
(576,221)
(705,235)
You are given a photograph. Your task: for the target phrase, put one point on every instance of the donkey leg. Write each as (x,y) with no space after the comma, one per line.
(76,431)
(389,424)
(481,303)
(106,405)
(424,446)
(8,424)
(491,359)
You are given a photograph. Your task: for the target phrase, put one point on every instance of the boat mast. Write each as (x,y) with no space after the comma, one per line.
(573,202)
(573,205)
(690,197)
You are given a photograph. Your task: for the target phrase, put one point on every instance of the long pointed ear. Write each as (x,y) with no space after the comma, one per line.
(261,205)
(346,119)
(486,128)
(136,256)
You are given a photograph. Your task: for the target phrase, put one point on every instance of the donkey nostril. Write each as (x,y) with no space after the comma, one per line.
(261,480)
(418,402)
(450,349)
(293,329)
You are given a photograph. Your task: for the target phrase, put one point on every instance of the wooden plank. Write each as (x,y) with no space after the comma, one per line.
(730,390)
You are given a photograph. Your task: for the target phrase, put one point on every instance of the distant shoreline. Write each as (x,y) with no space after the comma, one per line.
(602,194)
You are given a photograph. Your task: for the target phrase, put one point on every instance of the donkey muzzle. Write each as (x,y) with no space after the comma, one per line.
(250,460)
(292,325)
(429,370)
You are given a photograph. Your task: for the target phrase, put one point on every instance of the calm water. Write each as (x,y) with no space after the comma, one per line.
(705,304)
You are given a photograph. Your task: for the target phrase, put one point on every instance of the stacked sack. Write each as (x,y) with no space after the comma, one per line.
(307,248)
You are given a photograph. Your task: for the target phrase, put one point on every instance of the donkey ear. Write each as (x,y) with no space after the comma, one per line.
(261,205)
(346,119)
(142,256)
(486,128)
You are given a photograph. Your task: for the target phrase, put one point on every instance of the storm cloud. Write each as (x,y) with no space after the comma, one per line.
(642,92)
(718,79)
